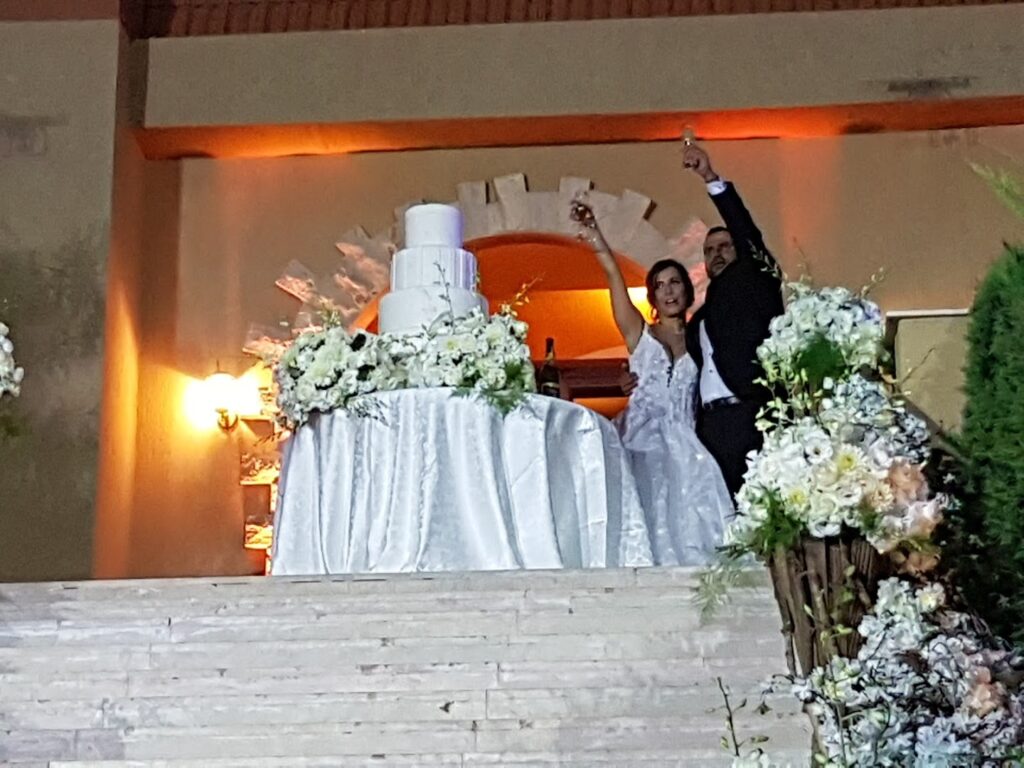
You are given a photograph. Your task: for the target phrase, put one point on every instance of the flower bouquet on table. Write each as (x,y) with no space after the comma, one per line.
(475,354)
(836,498)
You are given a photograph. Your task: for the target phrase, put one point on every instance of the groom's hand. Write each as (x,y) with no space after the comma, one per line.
(697,160)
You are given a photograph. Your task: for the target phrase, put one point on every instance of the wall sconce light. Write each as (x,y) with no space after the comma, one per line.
(222,399)
(221,392)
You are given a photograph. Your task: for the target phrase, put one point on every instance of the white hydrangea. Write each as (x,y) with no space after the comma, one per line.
(923,690)
(850,323)
(815,478)
(862,411)
(839,452)
(755,759)
(11,375)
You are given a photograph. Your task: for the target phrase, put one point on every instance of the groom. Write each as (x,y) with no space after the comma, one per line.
(743,295)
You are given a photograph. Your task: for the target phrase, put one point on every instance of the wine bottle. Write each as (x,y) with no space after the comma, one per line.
(547,376)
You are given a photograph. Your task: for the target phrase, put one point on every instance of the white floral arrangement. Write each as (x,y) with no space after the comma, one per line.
(840,450)
(929,687)
(864,412)
(823,334)
(475,354)
(11,374)
(855,463)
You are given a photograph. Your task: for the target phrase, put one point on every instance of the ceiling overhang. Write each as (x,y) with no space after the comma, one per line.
(801,122)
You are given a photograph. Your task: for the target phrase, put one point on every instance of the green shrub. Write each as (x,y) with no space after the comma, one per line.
(992,447)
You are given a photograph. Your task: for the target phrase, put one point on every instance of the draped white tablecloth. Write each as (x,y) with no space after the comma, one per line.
(438,482)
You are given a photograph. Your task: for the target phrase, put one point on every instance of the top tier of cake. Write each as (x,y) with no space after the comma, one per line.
(433,224)
(433,253)
(433,275)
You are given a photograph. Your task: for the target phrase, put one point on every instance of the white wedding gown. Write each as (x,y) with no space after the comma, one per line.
(681,488)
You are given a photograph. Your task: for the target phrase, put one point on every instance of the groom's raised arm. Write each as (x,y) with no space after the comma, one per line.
(746,235)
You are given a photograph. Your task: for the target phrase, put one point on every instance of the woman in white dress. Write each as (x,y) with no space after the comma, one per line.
(685,499)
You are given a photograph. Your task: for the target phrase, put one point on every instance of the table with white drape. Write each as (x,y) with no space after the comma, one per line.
(433,481)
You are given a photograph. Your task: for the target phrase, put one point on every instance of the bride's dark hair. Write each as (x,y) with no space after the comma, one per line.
(660,266)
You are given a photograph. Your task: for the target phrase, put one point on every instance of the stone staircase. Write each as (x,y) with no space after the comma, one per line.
(587,669)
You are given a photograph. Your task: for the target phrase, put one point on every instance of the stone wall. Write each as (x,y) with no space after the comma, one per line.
(57,99)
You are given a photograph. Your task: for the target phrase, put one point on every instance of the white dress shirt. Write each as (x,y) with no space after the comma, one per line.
(716,187)
(711,385)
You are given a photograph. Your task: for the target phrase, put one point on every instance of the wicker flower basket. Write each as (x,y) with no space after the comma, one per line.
(823,588)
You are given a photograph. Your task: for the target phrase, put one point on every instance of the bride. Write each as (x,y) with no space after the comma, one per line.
(685,499)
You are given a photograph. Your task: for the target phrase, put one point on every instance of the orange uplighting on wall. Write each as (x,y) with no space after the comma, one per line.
(568,299)
(230,141)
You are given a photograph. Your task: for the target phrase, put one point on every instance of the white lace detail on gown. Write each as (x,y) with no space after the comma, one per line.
(684,497)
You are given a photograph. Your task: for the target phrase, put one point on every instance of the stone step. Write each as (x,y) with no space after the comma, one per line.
(476,676)
(698,643)
(582,759)
(562,581)
(686,737)
(370,707)
(574,617)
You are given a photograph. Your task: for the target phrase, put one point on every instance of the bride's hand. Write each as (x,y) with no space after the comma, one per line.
(587,229)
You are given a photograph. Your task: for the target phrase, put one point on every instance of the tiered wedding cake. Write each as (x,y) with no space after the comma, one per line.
(433,274)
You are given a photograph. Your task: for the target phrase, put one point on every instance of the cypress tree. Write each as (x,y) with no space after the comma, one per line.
(993,444)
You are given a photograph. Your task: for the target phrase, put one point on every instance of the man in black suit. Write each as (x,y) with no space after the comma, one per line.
(743,295)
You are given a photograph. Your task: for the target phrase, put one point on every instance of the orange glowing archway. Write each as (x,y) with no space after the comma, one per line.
(568,298)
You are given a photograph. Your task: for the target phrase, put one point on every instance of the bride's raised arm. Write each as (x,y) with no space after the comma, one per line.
(627,317)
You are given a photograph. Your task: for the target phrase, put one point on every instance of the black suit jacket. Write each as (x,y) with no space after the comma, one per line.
(739,303)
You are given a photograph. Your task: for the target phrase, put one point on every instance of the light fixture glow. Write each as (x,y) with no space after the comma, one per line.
(221,399)
(221,393)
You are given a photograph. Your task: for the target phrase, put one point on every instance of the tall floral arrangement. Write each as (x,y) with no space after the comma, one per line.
(929,687)
(842,454)
(474,354)
(837,504)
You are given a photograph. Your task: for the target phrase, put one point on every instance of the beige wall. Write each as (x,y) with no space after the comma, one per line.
(930,356)
(590,68)
(57,93)
(845,207)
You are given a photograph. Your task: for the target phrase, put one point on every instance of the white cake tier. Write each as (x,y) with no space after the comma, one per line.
(433,224)
(410,309)
(433,265)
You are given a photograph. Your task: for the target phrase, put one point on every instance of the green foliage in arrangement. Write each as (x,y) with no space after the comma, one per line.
(992,446)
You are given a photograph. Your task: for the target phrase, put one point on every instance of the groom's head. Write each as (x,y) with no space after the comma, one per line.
(719,251)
